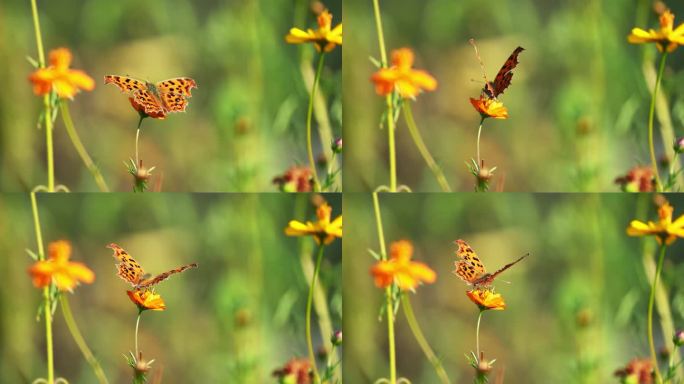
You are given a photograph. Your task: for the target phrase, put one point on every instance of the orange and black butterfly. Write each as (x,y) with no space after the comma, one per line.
(471,270)
(129,270)
(503,79)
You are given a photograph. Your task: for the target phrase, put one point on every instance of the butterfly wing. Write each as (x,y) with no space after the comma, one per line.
(126,84)
(488,279)
(161,277)
(150,103)
(469,267)
(127,268)
(503,78)
(175,92)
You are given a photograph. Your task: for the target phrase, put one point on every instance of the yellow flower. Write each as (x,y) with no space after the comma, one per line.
(66,82)
(664,230)
(486,299)
(489,107)
(400,269)
(146,299)
(58,269)
(401,76)
(666,39)
(323,230)
(325,39)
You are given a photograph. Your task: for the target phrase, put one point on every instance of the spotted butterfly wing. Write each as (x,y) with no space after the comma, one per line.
(156,100)
(130,270)
(175,92)
(468,266)
(503,78)
(487,279)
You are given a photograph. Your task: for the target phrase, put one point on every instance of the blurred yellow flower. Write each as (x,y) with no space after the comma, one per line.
(489,107)
(400,269)
(325,39)
(486,299)
(664,229)
(324,231)
(401,76)
(146,299)
(58,269)
(666,39)
(66,82)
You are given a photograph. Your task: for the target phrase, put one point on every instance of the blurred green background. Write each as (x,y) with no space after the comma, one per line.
(245,124)
(576,306)
(234,319)
(578,102)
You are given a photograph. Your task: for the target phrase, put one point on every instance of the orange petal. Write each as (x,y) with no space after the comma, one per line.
(60,58)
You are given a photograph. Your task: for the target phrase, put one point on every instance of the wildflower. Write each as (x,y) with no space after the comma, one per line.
(59,270)
(638,179)
(296,179)
(324,231)
(325,39)
(666,39)
(678,338)
(489,107)
(400,269)
(679,145)
(337,145)
(146,299)
(66,82)
(637,371)
(486,299)
(665,229)
(296,371)
(407,81)
(336,338)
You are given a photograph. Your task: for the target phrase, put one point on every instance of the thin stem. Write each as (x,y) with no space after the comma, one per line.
(422,341)
(651,115)
(137,324)
(422,148)
(309,301)
(80,341)
(479,132)
(477,334)
(651,300)
(388,294)
(388,100)
(137,137)
(47,306)
(46,101)
(78,145)
(309,114)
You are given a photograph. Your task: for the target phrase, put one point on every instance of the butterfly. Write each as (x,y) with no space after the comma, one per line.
(156,100)
(471,270)
(132,272)
(503,79)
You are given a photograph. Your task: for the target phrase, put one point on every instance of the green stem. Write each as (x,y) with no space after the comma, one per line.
(46,101)
(422,341)
(47,306)
(309,302)
(479,132)
(137,137)
(80,341)
(388,100)
(422,148)
(651,115)
(80,148)
(477,335)
(137,324)
(388,294)
(651,300)
(309,114)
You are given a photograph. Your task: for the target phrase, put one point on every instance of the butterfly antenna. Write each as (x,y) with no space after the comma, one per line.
(477,54)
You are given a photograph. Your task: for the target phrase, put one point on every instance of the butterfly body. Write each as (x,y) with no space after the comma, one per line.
(471,270)
(158,99)
(130,270)
(503,78)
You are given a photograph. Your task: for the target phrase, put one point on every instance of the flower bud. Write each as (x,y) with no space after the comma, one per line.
(679,145)
(337,145)
(336,338)
(678,338)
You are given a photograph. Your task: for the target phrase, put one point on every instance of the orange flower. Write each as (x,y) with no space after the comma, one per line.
(323,230)
(325,39)
(665,229)
(141,110)
(638,179)
(486,299)
(66,82)
(400,269)
(146,299)
(58,269)
(296,371)
(489,107)
(666,39)
(296,179)
(638,371)
(407,81)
